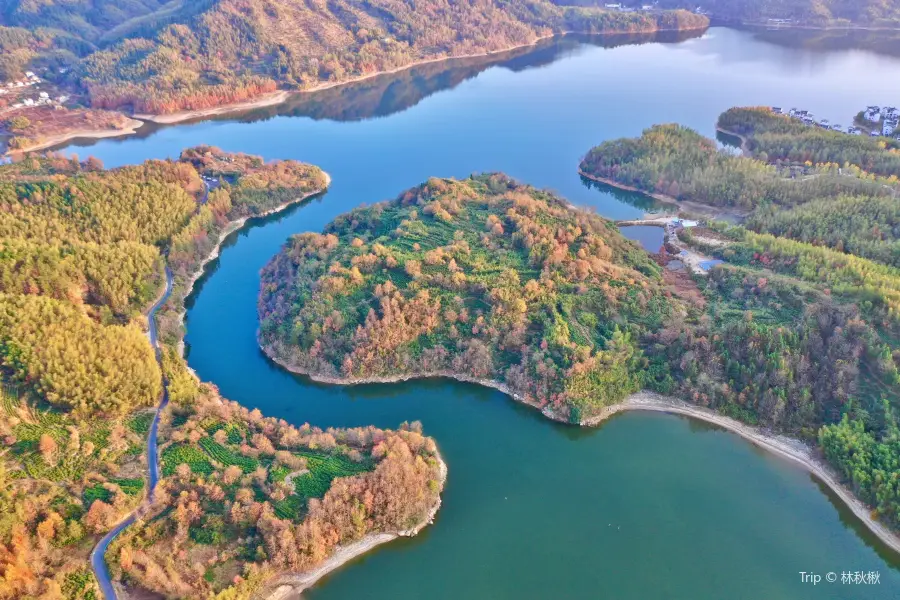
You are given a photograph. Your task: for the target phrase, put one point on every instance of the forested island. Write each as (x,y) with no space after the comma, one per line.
(798,330)
(151,57)
(242,498)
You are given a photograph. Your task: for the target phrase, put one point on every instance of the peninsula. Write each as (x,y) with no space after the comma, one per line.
(83,252)
(798,329)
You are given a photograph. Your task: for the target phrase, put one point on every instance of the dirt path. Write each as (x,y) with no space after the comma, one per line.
(289,478)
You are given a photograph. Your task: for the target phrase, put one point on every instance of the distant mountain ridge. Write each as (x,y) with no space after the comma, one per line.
(816,13)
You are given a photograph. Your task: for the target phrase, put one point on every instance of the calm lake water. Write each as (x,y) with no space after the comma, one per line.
(645,507)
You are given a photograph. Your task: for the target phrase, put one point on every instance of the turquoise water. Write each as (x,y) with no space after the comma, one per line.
(647,506)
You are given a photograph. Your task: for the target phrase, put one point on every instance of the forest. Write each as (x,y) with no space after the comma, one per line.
(842,205)
(678,162)
(149,57)
(778,138)
(812,13)
(484,278)
(798,331)
(82,251)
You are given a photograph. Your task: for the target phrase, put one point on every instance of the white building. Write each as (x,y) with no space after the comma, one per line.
(887,129)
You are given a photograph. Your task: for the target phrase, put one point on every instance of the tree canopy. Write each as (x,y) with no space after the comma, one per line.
(484,278)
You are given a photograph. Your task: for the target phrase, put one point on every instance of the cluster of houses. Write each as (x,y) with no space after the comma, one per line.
(888,116)
(873,114)
(623,8)
(43,99)
(807,117)
(30,79)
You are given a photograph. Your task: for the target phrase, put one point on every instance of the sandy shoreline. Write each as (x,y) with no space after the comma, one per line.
(613,183)
(289,586)
(176,117)
(131,126)
(780,445)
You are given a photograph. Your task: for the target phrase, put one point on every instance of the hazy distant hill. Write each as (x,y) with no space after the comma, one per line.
(884,13)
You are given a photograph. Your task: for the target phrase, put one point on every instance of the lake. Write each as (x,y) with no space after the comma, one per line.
(646,506)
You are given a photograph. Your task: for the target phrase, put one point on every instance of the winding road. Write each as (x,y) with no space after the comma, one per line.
(98,561)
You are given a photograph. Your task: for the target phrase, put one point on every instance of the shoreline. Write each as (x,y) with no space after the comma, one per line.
(744,150)
(488,383)
(232,226)
(628,188)
(684,207)
(138,120)
(773,26)
(289,586)
(282,96)
(269,99)
(783,446)
(130,127)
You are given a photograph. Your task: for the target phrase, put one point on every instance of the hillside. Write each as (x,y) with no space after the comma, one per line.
(220,52)
(812,13)
(82,253)
(799,330)
(482,278)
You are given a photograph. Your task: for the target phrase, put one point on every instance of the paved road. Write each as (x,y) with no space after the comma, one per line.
(98,562)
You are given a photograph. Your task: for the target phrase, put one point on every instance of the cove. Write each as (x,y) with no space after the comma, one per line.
(645,506)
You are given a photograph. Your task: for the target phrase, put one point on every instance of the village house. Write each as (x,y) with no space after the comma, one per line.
(872,114)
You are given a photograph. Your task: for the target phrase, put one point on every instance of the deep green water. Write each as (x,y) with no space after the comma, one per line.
(647,506)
